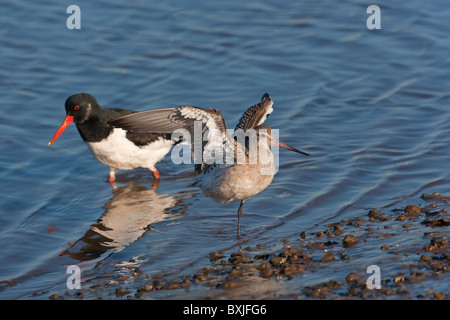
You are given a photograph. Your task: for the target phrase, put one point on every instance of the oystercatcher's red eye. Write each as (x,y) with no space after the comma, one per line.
(77,107)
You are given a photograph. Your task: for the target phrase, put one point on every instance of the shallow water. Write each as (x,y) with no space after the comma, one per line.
(370,106)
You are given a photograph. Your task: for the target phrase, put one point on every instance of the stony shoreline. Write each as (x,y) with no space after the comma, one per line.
(409,244)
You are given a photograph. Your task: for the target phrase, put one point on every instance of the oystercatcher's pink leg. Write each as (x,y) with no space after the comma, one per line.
(112,178)
(156,174)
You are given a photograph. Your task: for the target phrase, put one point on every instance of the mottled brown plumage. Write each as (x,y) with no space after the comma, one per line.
(236,174)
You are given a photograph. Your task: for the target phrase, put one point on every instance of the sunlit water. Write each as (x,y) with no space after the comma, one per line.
(370,106)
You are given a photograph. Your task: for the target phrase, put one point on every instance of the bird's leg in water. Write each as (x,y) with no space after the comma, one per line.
(156,174)
(112,178)
(239,219)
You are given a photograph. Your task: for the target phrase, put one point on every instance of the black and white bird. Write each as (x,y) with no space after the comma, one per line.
(117,148)
(236,176)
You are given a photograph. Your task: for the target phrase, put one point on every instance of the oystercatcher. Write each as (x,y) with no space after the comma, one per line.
(224,181)
(117,148)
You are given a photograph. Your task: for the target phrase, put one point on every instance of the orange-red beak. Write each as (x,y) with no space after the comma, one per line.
(68,120)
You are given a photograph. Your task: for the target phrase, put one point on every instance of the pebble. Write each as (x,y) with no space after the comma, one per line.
(315,245)
(239,257)
(277,261)
(439,242)
(338,230)
(349,241)
(120,292)
(329,256)
(214,256)
(232,284)
(412,210)
(351,278)
(374,214)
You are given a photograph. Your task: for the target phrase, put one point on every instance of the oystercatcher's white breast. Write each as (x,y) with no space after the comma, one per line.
(116,151)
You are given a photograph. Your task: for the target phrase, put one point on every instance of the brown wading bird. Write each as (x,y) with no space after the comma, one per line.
(242,175)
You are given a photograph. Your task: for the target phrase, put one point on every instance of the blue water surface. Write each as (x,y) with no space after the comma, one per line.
(372,107)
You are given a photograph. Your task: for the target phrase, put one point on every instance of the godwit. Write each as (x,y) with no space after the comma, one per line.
(117,148)
(223,181)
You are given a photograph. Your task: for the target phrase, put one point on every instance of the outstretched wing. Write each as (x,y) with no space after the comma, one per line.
(256,114)
(208,136)
(156,120)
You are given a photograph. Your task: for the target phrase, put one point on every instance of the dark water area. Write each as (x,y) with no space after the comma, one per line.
(372,107)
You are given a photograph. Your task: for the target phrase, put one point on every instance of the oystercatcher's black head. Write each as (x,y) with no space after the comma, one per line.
(79,108)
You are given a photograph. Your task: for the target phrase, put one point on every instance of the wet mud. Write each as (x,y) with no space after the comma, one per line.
(408,244)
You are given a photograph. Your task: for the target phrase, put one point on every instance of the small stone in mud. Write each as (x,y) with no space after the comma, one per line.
(315,245)
(264,265)
(374,214)
(199,277)
(320,234)
(171,285)
(185,283)
(435,196)
(384,247)
(349,241)
(438,295)
(443,222)
(236,272)
(292,269)
(439,242)
(214,256)
(277,261)
(358,222)
(137,271)
(239,257)
(288,252)
(266,273)
(329,256)
(232,284)
(352,278)
(338,229)
(412,210)
(122,278)
(147,287)
(120,292)
(157,285)
(264,256)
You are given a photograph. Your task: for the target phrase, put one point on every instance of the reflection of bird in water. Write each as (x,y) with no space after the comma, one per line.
(128,215)
(224,181)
